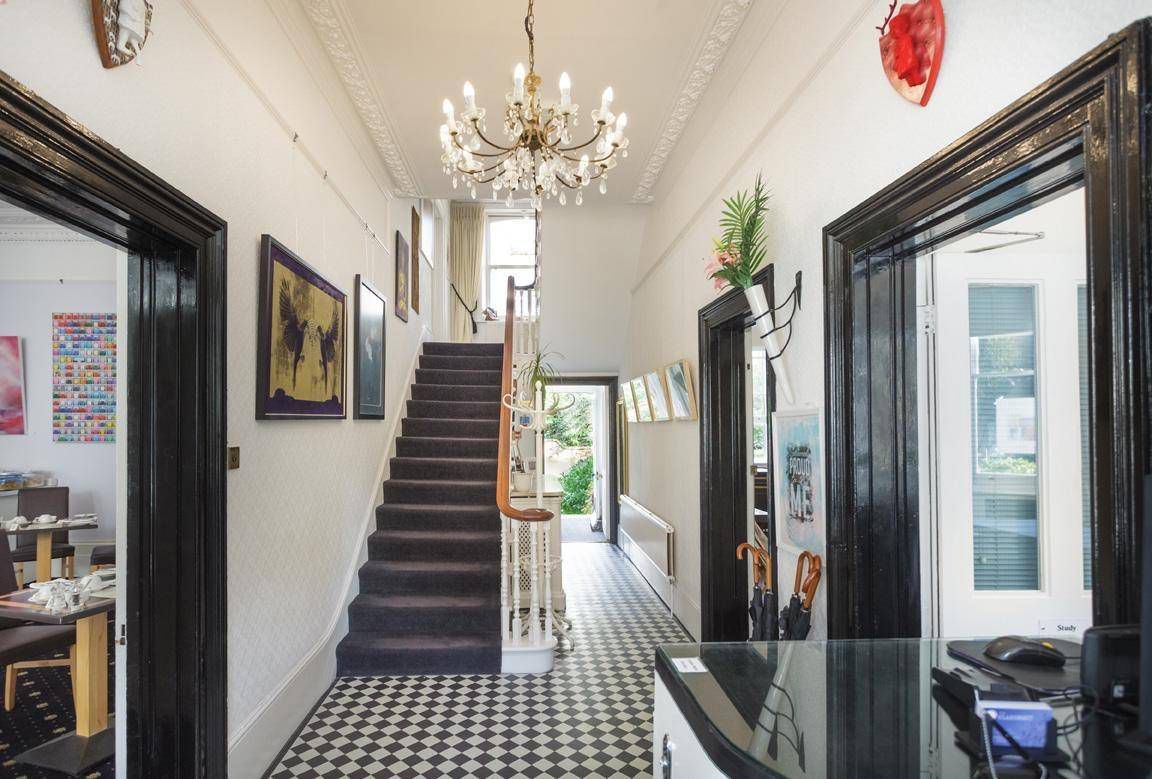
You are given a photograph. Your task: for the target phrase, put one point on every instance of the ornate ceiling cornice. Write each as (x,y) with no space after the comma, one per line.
(337,40)
(728,20)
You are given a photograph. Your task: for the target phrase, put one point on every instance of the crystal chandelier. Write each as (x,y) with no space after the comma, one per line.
(541,160)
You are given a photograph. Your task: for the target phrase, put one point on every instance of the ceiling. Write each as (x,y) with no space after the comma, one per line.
(399,59)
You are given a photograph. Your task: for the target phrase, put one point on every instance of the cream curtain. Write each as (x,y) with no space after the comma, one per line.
(465,261)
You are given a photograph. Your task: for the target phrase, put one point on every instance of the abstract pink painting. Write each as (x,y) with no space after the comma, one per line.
(11,386)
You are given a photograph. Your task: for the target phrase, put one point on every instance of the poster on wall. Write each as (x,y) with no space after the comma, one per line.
(84,378)
(11,386)
(416,239)
(798,449)
(301,341)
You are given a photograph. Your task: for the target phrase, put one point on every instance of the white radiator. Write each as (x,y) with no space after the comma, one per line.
(649,542)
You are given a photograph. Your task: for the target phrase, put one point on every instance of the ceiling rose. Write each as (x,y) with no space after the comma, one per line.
(540,160)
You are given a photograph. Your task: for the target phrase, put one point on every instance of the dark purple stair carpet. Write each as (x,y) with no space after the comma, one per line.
(429,597)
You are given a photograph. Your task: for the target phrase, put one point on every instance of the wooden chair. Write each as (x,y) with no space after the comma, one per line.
(31,503)
(21,645)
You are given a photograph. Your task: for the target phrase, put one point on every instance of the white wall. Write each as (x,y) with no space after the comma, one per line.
(201,113)
(88,470)
(808,105)
(588,260)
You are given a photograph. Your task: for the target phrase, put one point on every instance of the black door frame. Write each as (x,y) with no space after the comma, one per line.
(1088,126)
(176,620)
(612,383)
(724,462)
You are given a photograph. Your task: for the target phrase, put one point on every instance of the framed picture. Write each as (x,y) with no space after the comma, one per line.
(11,386)
(301,346)
(629,401)
(403,261)
(681,391)
(798,479)
(657,396)
(643,412)
(428,231)
(415,260)
(368,355)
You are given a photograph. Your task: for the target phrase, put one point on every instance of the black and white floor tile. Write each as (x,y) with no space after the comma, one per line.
(590,717)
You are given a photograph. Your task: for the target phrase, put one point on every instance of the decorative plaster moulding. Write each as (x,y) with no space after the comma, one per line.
(17,226)
(328,20)
(728,21)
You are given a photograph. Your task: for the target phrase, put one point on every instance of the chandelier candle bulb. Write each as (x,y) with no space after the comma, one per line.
(606,101)
(582,171)
(565,90)
(518,82)
(449,113)
(469,96)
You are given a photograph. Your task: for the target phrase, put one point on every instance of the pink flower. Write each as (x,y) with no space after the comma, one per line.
(713,268)
(719,284)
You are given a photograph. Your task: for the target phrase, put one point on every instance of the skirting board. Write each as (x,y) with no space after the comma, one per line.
(260,738)
(681,606)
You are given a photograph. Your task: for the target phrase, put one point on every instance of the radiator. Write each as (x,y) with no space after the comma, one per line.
(649,542)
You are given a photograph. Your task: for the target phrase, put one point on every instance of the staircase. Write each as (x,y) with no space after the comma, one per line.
(429,599)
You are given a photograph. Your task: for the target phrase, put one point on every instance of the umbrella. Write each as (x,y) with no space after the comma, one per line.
(762,607)
(795,620)
(804,619)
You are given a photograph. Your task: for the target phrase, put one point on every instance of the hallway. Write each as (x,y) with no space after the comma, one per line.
(591,717)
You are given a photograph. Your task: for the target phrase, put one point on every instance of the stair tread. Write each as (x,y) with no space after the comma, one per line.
(457,536)
(446,567)
(438,508)
(417,641)
(421,601)
(446,482)
(448,439)
(413,458)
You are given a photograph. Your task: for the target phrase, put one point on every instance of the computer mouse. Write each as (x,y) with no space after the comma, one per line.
(1025,651)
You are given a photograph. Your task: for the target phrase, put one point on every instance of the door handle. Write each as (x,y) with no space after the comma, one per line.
(666,758)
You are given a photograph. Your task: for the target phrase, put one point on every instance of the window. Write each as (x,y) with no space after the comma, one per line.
(1005,494)
(509,250)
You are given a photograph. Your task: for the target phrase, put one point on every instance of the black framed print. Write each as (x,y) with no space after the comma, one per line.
(301,339)
(368,356)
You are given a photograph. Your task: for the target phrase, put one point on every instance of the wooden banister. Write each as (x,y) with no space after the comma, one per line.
(503,472)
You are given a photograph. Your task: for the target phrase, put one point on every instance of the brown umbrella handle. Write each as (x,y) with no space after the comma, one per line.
(812,583)
(755,553)
(800,569)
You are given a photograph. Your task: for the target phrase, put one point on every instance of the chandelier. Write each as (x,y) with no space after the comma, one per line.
(541,161)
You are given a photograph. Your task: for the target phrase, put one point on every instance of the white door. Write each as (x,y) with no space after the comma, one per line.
(1011,501)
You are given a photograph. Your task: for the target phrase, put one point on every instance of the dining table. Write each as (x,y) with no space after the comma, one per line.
(44,531)
(94,737)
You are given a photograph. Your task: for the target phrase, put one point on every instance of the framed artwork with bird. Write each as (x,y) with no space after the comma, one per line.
(302,339)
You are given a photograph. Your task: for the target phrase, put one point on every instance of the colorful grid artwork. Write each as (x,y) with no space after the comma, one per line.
(84,378)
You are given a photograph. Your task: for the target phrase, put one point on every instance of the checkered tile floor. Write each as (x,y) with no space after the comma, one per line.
(590,717)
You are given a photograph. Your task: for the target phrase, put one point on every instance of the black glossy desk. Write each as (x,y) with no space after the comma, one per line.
(845,709)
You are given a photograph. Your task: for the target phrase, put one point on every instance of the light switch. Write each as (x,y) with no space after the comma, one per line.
(233,457)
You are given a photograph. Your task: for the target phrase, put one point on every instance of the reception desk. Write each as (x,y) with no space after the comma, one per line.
(816,709)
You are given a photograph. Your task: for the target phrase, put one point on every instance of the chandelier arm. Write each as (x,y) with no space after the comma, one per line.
(502,151)
(586,144)
(485,140)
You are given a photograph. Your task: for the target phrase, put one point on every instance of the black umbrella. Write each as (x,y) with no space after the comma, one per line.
(808,592)
(762,607)
(795,620)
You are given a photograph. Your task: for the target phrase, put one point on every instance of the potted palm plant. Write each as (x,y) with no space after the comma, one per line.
(736,256)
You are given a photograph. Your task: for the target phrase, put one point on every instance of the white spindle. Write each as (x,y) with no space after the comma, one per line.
(534,607)
(516,558)
(504,615)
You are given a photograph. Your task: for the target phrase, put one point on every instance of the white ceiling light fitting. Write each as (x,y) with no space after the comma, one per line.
(541,160)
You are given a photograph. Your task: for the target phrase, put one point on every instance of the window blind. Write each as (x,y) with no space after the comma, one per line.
(1002,342)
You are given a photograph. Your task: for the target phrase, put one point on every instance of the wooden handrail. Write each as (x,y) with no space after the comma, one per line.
(503,474)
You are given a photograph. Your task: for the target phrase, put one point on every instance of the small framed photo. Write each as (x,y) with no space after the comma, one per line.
(681,391)
(657,396)
(629,401)
(368,355)
(643,412)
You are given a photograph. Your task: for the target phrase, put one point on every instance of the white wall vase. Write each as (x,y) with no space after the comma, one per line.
(758,302)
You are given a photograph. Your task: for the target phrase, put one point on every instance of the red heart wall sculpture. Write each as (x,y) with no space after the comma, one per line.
(911,47)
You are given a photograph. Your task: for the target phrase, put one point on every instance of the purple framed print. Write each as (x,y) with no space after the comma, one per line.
(301,348)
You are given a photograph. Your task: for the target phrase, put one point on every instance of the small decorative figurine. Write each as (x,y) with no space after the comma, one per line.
(911,47)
